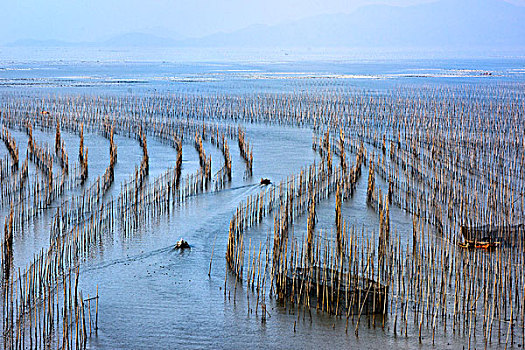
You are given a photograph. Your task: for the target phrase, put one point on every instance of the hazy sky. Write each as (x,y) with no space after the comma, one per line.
(92,20)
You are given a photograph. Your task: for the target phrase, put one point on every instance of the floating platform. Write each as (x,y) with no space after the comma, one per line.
(337,293)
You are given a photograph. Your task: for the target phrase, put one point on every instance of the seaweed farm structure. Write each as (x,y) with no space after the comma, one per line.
(508,234)
(338,295)
(437,168)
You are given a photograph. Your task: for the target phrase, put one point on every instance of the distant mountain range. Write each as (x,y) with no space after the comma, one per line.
(445,23)
(125,40)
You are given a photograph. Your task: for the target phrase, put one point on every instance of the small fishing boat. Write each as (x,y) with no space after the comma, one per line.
(487,245)
(496,234)
(182,244)
(265,181)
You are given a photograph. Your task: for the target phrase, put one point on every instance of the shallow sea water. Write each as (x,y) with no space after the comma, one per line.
(154,297)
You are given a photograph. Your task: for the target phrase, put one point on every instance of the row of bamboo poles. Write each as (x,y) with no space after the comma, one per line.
(448,157)
(60,150)
(82,157)
(414,186)
(109,174)
(80,224)
(245,151)
(10,143)
(204,162)
(412,183)
(224,175)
